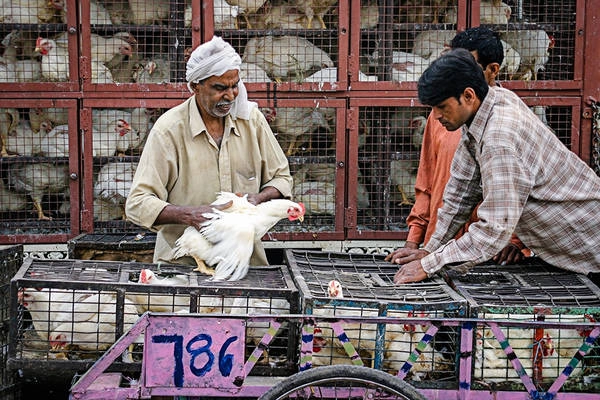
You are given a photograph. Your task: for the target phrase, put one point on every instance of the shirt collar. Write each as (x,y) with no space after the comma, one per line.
(482,115)
(197,125)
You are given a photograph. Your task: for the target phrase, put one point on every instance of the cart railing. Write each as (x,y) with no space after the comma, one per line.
(205,355)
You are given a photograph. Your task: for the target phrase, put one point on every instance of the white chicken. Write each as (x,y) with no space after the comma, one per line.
(294,126)
(55,60)
(284,16)
(225,15)
(430,44)
(403,176)
(142,120)
(91,324)
(110,130)
(314,9)
(37,180)
(286,58)
(9,119)
(30,11)
(244,9)
(148,12)
(11,201)
(47,306)
(57,116)
(406,67)
(24,141)
(534,48)
(490,12)
(156,70)
(330,75)
(147,301)
(252,73)
(113,183)
(512,61)
(227,238)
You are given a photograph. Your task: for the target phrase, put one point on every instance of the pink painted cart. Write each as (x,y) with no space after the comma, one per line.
(200,356)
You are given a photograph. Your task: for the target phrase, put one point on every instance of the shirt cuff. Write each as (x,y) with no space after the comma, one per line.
(415,234)
(431,264)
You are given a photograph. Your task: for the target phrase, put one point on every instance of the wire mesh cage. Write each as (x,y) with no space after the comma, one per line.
(282,41)
(137,247)
(399,39)
(66,313)
(134,41)
(532,292)
(389,141)
(367,290)
(11,258)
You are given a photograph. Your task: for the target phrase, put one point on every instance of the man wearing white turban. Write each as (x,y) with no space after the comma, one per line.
(215,141)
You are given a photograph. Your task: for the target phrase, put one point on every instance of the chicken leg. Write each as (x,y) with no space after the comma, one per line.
(40,212)
(405,200)
(202,267)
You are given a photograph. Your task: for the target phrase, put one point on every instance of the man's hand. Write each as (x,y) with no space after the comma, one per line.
(411,272)
(511,254)
(405,255)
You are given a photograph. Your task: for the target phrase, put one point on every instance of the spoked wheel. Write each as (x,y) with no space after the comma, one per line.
(342,382)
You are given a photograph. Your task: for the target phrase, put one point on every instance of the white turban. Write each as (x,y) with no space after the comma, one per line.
(214,58)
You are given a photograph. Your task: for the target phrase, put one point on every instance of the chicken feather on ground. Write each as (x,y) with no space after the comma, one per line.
(227,238)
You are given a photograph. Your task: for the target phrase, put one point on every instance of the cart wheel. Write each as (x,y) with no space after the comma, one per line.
(342,382)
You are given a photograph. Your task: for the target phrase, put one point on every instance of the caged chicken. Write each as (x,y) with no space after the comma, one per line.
(148,12)
(111,131)
(314,9)
(48,306)
(9,119)
(534,48)
(31,11)
(11,201)
(55,60)
(295,126)
(24,141)
(244,10)
(147,301)
(90,325)
(490,12)
(286,58)
(227,238)
(39,180)
(406,67)
(113,183)
(156,70)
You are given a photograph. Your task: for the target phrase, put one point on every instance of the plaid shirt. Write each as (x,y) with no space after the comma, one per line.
(529,183)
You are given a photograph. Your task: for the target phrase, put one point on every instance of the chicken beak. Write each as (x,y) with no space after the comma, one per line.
(301,218)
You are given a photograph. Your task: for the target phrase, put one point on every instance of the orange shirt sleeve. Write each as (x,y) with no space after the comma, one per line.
(436,156)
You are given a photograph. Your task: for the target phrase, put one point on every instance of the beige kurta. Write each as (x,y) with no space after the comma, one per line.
(182,165)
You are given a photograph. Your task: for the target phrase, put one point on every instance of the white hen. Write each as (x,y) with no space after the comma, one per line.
(55,60)
(286,58)
(227,238)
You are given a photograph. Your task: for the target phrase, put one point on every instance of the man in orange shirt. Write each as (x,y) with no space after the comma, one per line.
(438,150)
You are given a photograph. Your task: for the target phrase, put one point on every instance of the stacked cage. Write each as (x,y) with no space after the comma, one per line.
(11,258)
(529,293)
(364,287)
(113,247)
(66,313)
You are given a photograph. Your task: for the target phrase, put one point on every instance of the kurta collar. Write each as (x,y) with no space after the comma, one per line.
(197,125)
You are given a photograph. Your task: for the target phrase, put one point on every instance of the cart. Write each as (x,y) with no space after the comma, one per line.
(202,356)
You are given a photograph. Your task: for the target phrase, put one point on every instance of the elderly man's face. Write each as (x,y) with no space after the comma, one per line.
(216,94)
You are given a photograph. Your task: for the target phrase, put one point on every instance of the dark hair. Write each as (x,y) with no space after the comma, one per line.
(449,75)
(484,40)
